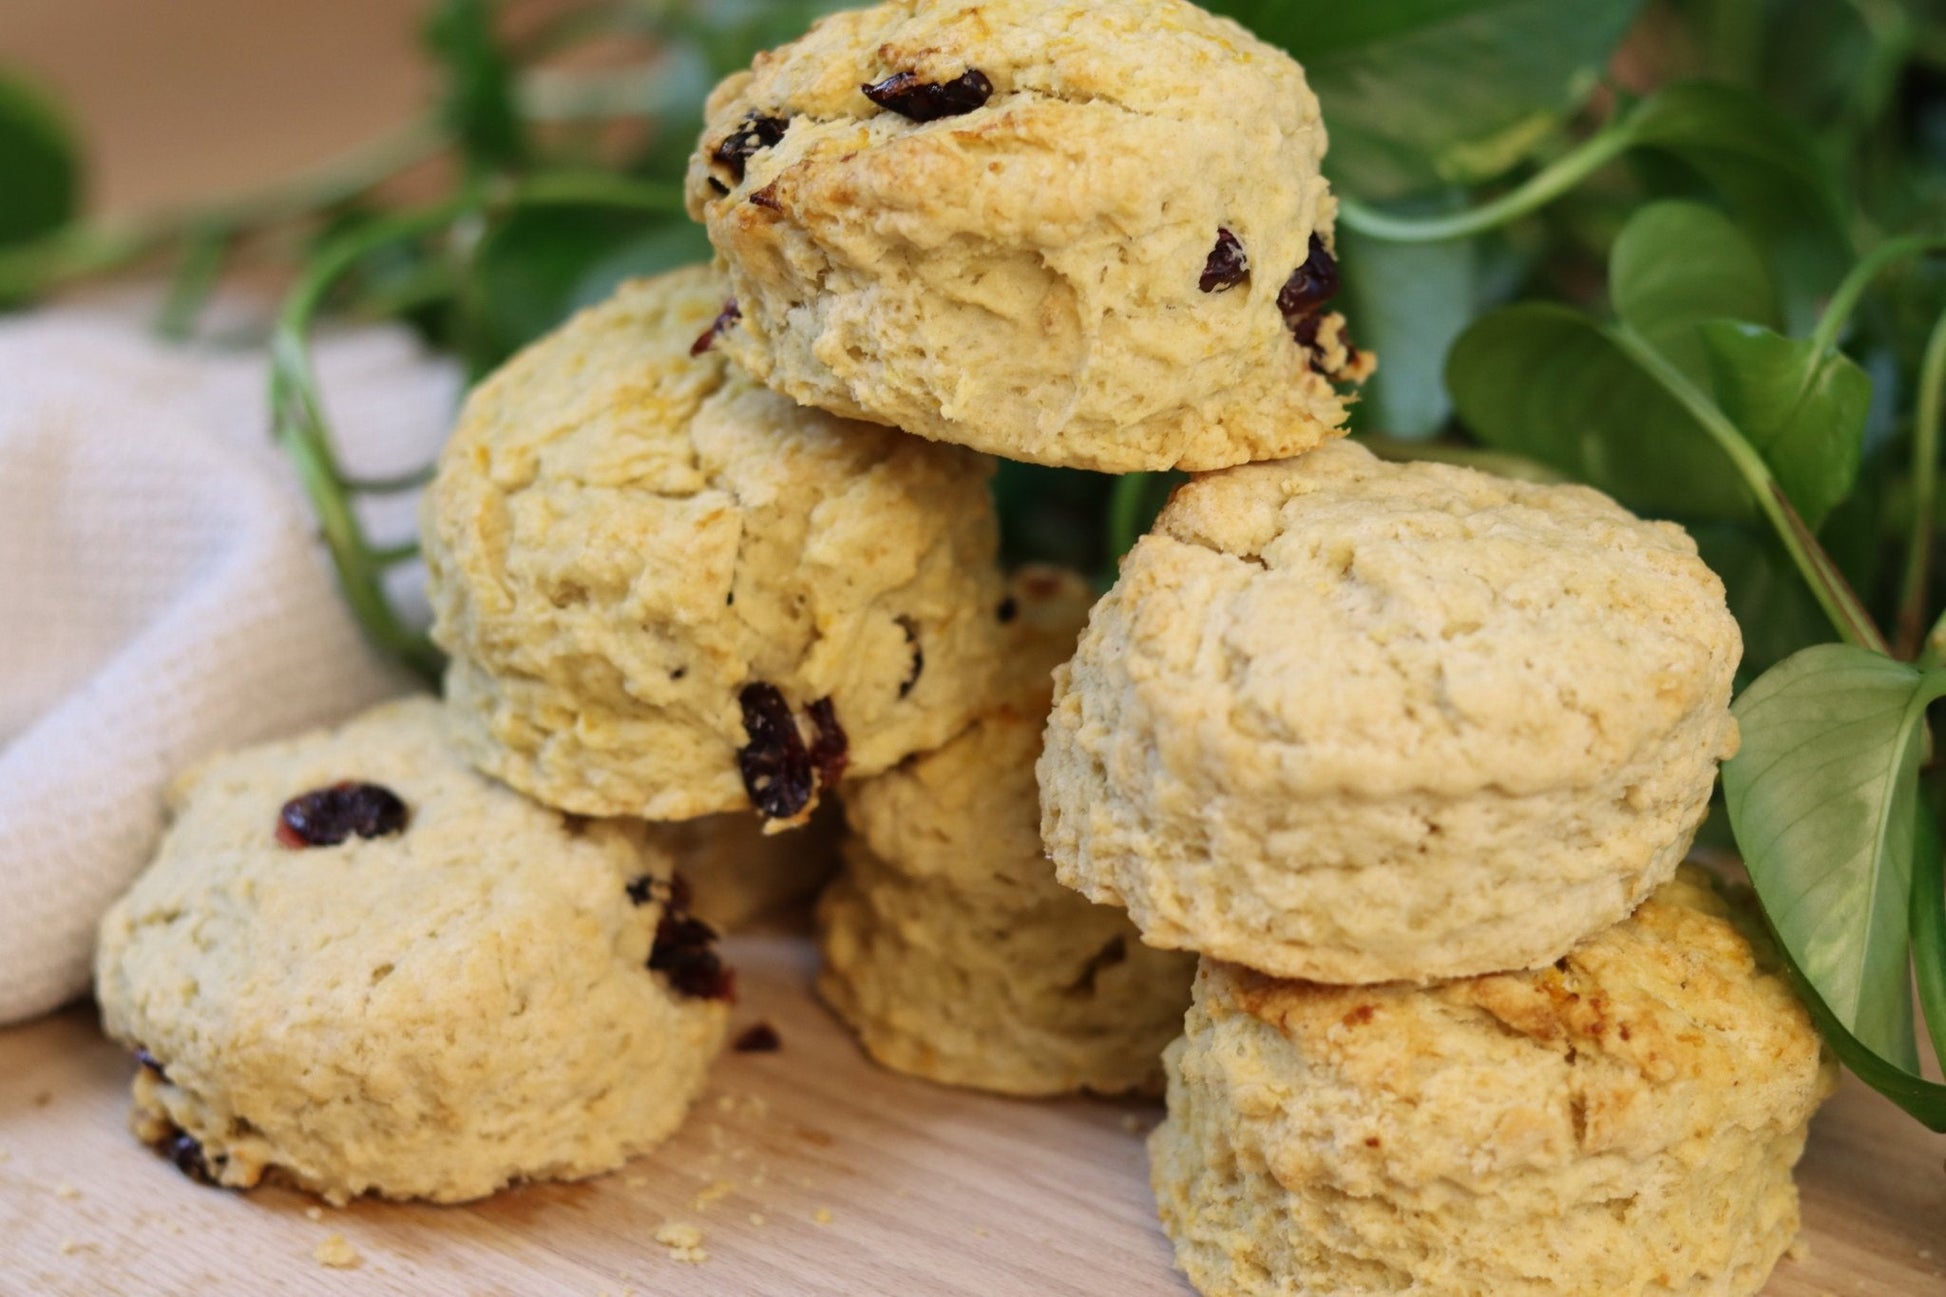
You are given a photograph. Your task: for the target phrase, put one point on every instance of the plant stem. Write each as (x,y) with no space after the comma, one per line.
(299,426)
(1125,513)
(1845,298)
(1925,488)
(1927,915)
(1834,594)
(1557,178)
(200,266)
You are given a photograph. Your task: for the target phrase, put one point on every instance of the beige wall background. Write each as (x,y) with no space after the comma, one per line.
(182,99)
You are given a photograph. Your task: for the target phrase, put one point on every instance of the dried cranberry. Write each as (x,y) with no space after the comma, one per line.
(767,199)
(776,769)
(1008,610)
(1306,330)
(324,817)
(144,1058)
(918,656)
(184,1151)
(1310,286)
(761,1038)
(757,133)
(830,747)
(922,101)
(728,316)
(1228,264)
(685,951)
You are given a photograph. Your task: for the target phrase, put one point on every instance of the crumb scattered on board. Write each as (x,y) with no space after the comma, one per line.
(684,1241)
(65,1190)
(822,1216)
(314,1213)
(337,1252)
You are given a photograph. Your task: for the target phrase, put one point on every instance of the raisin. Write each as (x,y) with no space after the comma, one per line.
(830,748)
(1228,264)
(728,316)
(1310,286)
(144,1058)
(918,656)
(757,133)
(922,101)
(776,769)
(324,817)
(761,1038)
(1008,610)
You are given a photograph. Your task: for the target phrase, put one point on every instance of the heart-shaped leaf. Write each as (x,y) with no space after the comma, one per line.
(1677,264)
(1823,797)
(1549,383)
(1804,412)
(1408,302)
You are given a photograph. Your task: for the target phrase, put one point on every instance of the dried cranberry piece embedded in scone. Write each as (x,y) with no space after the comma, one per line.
(929,101)
(325,817)
(185,1153)
(776,768)
(830,748)
(757,133)
(728,316)
(1310,286)
(685,948)
(1228,264)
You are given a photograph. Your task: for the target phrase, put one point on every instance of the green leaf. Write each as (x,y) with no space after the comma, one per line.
(1408,302)
(537,266)
(481,104)
(1424,93)
(1805,413)
(1547,382)
(1770,172)
(40,169)
(1677,264)
(1823,797)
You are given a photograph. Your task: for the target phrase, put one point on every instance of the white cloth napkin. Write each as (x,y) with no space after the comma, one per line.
(162,594)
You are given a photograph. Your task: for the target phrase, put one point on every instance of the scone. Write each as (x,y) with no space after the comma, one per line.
(1622,1124)
(738,874)
(1088,233)
(948,946)
(1353,721)
(669,593)
(359,966)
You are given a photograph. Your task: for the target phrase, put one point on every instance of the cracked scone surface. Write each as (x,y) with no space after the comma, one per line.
(432,1014)
(1353,721)
(1027,278)
(624,539)
(948,946)
(1623,1124)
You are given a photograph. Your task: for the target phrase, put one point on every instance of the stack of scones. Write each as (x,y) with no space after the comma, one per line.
(1384,772)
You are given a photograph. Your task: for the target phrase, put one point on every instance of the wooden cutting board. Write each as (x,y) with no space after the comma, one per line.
(809,1171)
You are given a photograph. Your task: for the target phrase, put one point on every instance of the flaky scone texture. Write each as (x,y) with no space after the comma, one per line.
(629,543)
(948,946)
(1622,1124)
(1028,278)
(1353,721)
(432,1013)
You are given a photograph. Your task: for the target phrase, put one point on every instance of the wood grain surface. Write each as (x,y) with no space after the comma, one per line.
(809,1171)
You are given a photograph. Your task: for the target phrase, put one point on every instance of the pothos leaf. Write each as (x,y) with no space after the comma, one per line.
(1547,382)
(1823,797)
(1769,171)
(1677,264)
(1804,412)
(1425,93)
(1408,302)
(41,190)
